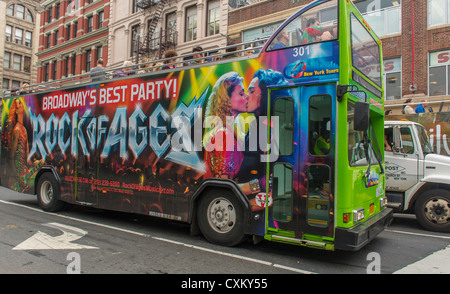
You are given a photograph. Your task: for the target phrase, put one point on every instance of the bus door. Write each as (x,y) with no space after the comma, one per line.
(87,162)
(302,176)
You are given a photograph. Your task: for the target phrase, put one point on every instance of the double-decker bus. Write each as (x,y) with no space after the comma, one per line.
(282,145)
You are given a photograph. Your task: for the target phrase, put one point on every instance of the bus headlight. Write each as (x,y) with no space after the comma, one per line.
(358,214)
(383,202)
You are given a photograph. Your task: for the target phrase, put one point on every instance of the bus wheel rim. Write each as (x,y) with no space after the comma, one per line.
(437,210)
(221,215)
(46,192)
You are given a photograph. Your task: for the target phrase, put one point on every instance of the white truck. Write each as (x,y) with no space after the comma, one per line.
(417,180)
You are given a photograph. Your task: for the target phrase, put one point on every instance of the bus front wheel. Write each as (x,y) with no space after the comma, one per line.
(220,218)
(48,193)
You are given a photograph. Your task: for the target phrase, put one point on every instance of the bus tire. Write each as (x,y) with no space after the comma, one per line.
(220,218)
(48,193)
(432,210)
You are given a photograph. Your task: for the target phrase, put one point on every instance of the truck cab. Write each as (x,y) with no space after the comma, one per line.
(417,180)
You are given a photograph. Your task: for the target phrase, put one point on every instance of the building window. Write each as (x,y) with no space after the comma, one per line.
(8,33)
(74,58)
(57,10)
(101,18)
(54,67)
(438,12)
(7,60)
(46,72)
(99,52)
(18,36)
(191,23)
(90,23)
(213,17)
(28,38)
(56,37)
(135,8)
(72,8)
(383,16)
(171,27)
(88,60)
(67,66)
(69,26)
(20,11)
(393,78)
(439,73)
(5,84)
(49,14)
(10,10)
(48,39)
(134,32)
(15,84)
(17,62)
(75,29)
(29,16)
(27,64)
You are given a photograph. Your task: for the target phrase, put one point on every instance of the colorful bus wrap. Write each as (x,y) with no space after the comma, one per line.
(239,147)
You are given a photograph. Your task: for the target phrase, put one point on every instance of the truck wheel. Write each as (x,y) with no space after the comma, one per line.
(48,193)
(220,218)
(433,210)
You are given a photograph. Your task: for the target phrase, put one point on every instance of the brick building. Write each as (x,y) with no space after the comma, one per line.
(18,19)
(73,35)
(415,36)
(152,26)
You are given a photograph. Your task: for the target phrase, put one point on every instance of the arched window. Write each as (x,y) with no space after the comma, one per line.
(19,11)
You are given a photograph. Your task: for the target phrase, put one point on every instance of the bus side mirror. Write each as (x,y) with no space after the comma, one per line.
(397,148)
(361,122)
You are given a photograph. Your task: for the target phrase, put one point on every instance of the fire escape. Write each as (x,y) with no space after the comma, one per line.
(152,45)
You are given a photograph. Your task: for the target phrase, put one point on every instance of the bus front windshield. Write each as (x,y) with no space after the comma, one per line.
(313,25)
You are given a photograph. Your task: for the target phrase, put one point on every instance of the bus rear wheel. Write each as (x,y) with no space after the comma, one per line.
(48,193)
(432,210)
(220,218)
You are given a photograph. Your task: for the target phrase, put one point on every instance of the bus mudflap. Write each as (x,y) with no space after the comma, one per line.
(354,238)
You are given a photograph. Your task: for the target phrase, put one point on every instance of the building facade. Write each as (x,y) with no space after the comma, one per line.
(145,28)
(18,21)
(73,35)
(415,36)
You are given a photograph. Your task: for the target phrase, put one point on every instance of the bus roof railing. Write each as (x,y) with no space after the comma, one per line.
(142,68)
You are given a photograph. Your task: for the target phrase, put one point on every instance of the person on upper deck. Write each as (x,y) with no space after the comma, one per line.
(98,73)
(282,40)
(316,33)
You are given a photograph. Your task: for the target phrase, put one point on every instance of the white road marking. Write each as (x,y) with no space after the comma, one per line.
(418,234)
(267,263)
(43,241)
(436,263)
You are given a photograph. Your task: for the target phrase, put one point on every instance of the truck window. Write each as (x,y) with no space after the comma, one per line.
(407,141)
(388,139)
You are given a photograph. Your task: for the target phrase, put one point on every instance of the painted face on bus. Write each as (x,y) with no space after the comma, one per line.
(239,99)
(254,95)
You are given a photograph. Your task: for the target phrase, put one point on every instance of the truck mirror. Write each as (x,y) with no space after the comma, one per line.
(361,122)
(397,139)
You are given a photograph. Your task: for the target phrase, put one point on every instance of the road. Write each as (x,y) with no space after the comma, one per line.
(91,241)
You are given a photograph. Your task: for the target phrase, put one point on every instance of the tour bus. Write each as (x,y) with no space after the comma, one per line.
(282,144)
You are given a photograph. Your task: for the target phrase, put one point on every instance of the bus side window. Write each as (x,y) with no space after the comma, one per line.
(318,195)
(319,124)
(284,110)
(282,192)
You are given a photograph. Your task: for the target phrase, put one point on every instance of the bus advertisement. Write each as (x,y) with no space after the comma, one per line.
(250,146)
